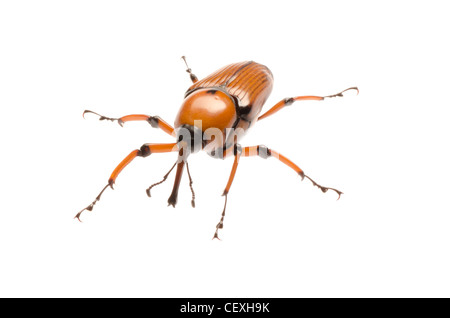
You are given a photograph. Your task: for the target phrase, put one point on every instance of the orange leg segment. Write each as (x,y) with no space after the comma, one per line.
(289,101)
(265,153)
(145,151)
(154,121)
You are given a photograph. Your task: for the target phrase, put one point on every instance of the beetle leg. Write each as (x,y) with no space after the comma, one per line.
(194,78)
(265,153)
(289,101)
(165,178)
(154,121)
(190,185)
(237,155)
(145,151)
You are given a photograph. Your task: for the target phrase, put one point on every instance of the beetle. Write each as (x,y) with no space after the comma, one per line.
(216,113)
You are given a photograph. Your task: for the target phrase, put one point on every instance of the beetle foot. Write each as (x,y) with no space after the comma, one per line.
(91,206)
(88,208)
(341,95)
(216,234)
(220,224)
(325,189)
(119,121)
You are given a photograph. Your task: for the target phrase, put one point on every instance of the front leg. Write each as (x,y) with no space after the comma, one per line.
(154,121)
(145,151)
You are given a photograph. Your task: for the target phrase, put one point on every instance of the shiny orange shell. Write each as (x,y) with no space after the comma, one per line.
(249,82)
(207,108)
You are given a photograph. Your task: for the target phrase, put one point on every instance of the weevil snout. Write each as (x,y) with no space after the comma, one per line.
(189,139)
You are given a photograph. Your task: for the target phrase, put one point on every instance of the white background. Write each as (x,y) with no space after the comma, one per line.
(386,149)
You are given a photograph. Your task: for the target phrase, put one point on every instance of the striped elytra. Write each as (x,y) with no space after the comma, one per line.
(228,100)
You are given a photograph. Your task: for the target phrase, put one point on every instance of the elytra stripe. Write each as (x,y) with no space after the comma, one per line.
(238,71)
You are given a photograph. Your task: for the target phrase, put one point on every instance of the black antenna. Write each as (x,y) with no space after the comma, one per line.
(190,185)
(193,77)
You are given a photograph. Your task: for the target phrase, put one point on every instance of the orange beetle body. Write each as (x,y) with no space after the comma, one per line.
(230,98)
(216,112)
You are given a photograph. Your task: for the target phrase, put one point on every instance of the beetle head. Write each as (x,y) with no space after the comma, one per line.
(189,140)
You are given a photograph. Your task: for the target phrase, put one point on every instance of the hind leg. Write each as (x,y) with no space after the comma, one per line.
(289,101)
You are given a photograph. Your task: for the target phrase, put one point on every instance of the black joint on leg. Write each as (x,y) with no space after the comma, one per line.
(301,174)
(154,121)
(237,149)
(144,151)
(263,151)
(288,101)
(193,77)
